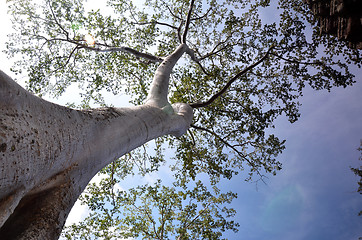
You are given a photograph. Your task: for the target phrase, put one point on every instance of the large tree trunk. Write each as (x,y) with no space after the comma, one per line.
(49,153)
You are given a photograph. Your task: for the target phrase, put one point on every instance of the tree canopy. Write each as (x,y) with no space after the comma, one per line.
(245,66)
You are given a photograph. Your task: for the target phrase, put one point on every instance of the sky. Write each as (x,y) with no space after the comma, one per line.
(314,196)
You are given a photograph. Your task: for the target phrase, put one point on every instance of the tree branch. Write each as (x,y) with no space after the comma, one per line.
(56,21)
(195,218)
(68,59)
(108,48)
(198,215)
(192,137)
(230,146)
(187,24)
(149,217)
(296,61)
(132,51)
(191,53)
(231,81)
(159,88)
(214,51)
(156,22)
(179,31)
(172,13)
(201,17)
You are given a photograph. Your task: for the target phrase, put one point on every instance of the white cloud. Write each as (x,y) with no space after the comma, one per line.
(151,178)
(118,187)
(78,213)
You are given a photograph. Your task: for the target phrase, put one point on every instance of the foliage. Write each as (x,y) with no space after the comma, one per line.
(358,172)
(153,212)
(227,136)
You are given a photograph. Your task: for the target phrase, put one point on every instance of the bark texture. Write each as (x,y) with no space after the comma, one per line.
(341,18)
(49,153)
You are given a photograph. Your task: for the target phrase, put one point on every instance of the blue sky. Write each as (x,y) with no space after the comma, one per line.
(314,196)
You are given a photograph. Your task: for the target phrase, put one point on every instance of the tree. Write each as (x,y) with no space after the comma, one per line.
(239,74)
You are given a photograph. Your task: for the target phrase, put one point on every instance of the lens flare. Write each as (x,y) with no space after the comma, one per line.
(89,39)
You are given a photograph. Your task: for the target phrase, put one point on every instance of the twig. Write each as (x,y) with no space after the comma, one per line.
(230,146)
(198,18)
(296,61)
(214,51)
(56,21)
(172,13)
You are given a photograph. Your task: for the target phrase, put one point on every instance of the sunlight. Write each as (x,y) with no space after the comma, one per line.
(89,39)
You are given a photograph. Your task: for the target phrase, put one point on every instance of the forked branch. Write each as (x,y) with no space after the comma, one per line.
(191,53)
(231,81)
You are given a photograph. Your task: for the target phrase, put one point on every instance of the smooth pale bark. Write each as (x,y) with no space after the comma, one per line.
(49,153)
(159,89)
